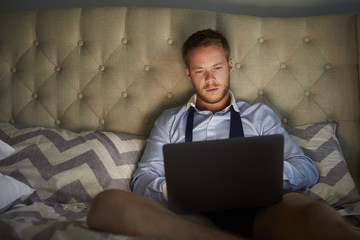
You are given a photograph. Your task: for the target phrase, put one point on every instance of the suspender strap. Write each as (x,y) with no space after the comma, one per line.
(189,125)
(236,128)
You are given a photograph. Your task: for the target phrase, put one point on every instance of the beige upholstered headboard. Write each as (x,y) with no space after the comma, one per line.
(118,68)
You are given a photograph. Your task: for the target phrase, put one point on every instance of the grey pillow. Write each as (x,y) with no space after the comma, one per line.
(319,142)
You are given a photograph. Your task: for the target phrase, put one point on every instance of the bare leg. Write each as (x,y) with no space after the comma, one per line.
(295,217)
(298,217)
(130,214)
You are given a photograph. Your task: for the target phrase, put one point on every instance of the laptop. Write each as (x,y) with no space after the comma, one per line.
(225,174)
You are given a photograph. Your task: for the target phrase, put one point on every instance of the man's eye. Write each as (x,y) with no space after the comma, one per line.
(218,68)
(198,71)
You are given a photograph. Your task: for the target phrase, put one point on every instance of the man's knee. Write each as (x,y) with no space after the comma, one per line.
(107,206)
(317,212)
(309,211)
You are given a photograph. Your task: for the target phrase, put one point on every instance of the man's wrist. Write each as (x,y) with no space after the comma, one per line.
(164,190)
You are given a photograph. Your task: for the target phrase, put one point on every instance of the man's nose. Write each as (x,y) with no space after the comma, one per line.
(209,76)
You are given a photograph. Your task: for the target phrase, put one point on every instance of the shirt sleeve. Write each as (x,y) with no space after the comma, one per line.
(300,171)
(149,176)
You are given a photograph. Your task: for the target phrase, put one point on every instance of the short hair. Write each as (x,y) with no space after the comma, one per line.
(204,38)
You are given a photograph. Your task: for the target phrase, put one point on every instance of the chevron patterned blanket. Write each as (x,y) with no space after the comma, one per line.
(67,169)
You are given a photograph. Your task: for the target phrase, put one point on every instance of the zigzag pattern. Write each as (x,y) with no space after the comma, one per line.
(64,166)
(48,221)
(71,177)
(335,185)
(325,153)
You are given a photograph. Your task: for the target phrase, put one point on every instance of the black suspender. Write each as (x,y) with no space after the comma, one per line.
(189,125)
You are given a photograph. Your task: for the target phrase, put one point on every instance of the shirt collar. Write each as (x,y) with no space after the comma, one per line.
(192,103)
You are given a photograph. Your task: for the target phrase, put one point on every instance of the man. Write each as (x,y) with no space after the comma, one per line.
(208,65)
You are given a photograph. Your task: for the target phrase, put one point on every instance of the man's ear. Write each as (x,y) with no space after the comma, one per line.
(187,71)
(230,65)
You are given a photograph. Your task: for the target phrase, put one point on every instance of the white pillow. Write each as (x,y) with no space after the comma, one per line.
(5,150)
(11,190)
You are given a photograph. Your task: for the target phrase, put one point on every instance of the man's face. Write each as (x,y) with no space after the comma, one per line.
(209,70)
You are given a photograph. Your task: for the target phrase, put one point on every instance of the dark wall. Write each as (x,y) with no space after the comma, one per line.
(263,8)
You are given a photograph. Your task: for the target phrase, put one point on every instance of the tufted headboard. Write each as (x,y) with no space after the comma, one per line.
(118,68)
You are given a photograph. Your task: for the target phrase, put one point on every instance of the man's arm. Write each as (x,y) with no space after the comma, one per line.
(299,170)
(149,178)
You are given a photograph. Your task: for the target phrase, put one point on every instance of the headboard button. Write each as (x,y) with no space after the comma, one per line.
(307,93)
(283,65)
(147,68)
(170,41)
(260,92)
(124,94)
(13,69)
(35,96)
(57,122)
(124,41)
(80,96)
(36,43)
(101,68)
(260,40)
(101,121)
(80,43)
(306,39)
(328,66)
(237,65)
(57,69)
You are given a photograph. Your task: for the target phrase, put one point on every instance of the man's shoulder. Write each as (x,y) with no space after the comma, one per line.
(245,107)
(172,112)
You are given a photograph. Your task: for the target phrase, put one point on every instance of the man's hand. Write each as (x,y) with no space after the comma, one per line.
(164,189)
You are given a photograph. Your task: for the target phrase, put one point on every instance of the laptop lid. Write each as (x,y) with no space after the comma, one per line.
(224,174)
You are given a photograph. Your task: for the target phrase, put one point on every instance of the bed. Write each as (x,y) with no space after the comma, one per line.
(80,89)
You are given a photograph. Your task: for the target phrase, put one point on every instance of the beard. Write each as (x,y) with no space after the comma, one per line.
(210,98)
